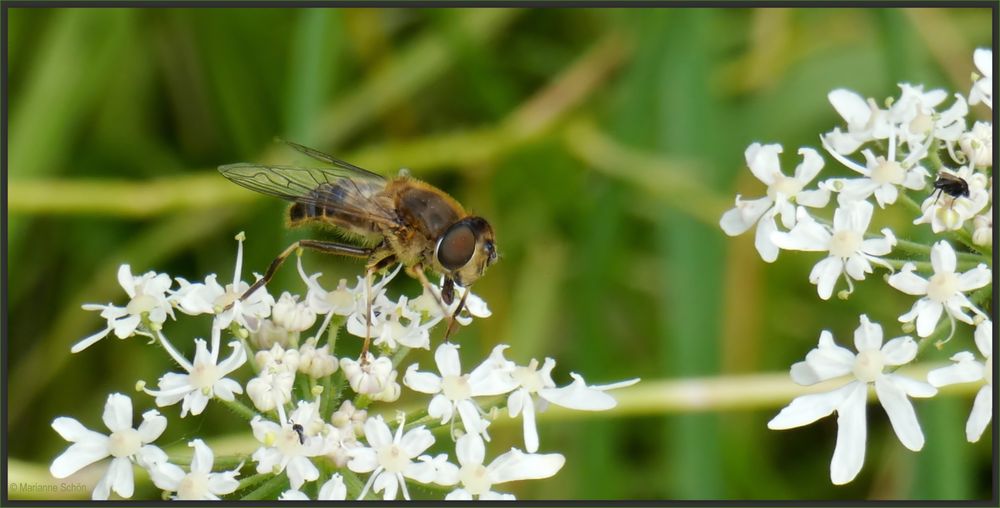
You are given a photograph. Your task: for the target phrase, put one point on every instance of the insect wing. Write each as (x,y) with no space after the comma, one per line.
(341,190)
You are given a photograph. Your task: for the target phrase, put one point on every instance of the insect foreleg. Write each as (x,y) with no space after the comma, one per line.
(328,247)
(418,272)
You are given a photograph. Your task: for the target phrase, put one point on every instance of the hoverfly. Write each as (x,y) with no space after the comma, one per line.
(952,185)
(402,220)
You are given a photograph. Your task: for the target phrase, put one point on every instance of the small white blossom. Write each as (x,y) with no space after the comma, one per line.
(948,213)
(125,445)
(849,252)
(333,490)
(292,315)
(783,192)
(200,484)
(316,362)
(477,480)
(268,334)
(394,325)
(577,395)
(211,297)
(917,118)
(881,176)
(390,458)
(982,228)
(829,361)
(967,369)
(982,89)
(977,145)
(865,121)
(370,377)
(148,300)
(287,448)
(943,292)
(271,389)
(349,419)
(278,359)
(205,377)
(430,303)
(454,391)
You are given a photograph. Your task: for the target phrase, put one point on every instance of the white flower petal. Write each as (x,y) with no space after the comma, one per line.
(817,198)
(962,372)
(763,161)
(975,278)
(825,275)
(928,317)
(387,484)
(121,478)
(984,338)
(334,489)
(118,412)
(363,460)
(908,282)
(447,360)
(943,257)
(153,424)
(73,431)
(850,106)
(806,409)
(899,351)
(203,457)
(979,418)
(762,240)
(868,336)
(516,465)
(77,457)
(416,441)
(900,411)
(738,220)
(849,453)
(300,470)
(441,407)
(577,395)
(423,382)
(377,432)
(458,495)
(912,387)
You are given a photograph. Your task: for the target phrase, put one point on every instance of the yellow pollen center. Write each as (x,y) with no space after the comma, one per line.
(888,172)
(193,486)
(785,185)
(456,387)
(124,443)
(392,458)
(845,244)
(942,286)
(921,124)
(204,375)
(868,365)
(475,479)
(141,303)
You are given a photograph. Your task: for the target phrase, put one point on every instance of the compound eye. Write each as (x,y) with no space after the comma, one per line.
(456,247)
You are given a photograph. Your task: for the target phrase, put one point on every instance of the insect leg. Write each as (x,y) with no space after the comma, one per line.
(418,272)
(329,247)
(454,317)
(369,270)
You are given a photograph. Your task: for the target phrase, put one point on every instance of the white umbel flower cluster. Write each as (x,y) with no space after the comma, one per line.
(918,152)
(313,414)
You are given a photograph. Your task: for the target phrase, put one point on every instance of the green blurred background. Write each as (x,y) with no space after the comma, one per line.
(602,144)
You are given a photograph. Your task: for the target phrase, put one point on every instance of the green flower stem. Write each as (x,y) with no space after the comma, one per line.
(270,489)
(919,248)
(250,356)
(241,409)
(399,356)
(897,264)
(354,485)
(253,481)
